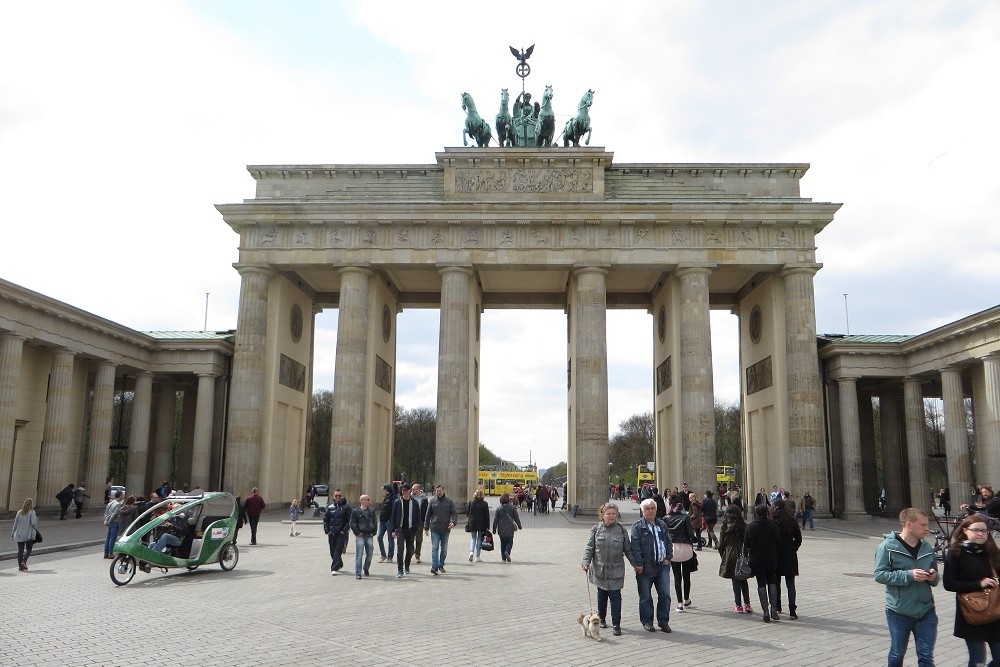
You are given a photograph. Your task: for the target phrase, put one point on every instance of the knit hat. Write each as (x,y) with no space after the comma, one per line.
(387,487)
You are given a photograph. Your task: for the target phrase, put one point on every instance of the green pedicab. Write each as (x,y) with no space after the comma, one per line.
(204,525)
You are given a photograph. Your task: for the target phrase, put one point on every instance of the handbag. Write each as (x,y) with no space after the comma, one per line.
(487,542)
(980,607)
(38,536)
(743,570)
(682,552)
(693,563)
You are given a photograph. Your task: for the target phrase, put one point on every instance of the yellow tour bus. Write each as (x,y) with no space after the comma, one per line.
(498,482)
(723,475)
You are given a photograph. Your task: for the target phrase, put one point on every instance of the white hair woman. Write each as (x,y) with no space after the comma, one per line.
(23,532)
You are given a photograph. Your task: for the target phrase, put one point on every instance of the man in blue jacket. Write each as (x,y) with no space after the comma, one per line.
(905,565)
(651,554)
(337,526)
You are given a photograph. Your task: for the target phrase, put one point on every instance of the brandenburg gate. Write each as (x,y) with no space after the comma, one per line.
(563,228)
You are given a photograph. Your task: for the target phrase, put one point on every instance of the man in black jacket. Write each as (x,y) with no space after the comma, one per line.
(337,526)
(385,524)
(405,523)
(651,554)
(710,512)
(65,497)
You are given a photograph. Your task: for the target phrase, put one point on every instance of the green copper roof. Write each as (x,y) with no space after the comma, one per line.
(190,335)
(867,339)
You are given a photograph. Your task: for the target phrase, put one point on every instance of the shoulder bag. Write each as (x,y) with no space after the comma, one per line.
(38,536)
(980,607)
(743,571)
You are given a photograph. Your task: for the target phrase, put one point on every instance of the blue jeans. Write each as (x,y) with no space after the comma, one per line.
(439,548)
(476,543)
(166,540)
(603,595)
(383,528)
(112,536)
(506,544)
(808,514)
(977,653)
(657,576)
(363,546)
(924,634)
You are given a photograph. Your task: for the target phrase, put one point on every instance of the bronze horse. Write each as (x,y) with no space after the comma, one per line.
(546,124)
(580,123)
(475,126)
(505,133)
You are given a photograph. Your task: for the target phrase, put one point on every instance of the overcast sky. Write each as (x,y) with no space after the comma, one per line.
(123,123)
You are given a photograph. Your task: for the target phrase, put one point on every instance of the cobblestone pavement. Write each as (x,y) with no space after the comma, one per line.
(281,606)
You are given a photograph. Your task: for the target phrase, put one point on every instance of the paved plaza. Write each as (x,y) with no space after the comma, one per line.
(280,606)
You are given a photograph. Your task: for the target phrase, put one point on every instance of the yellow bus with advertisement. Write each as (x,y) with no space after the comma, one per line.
(723,475)
(498,482)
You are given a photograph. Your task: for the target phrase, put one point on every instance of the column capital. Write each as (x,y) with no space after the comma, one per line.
(363,270)
(64,352)
(13,336)
(207,375)
(104,363)
(245,269)
(848,378)
(591,268)
(992,356)
(464,269)
(800,269)
(142,374)
(694,269)
(950,370)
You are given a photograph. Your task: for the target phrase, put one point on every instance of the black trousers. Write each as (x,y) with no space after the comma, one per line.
(63,508)
(79,510)
(404,536)
(337,543)
(253,527)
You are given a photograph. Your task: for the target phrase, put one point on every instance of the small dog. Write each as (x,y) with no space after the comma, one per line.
(591,625)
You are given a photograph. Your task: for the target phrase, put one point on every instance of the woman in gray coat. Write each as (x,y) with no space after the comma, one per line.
(505,522)
(604,563)
(23,533)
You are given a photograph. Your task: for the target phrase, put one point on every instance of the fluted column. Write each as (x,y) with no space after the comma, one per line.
(55,469)
(11,346)
(988,465)
(591,387)
(347,437)
(246,409)
(806,447)
(163,439)
(101,422)
(892,451)
(201,459)
(869,467)
(138,442)
(956,441)
(451,460)
(850,430)
(696,390)
(916,449)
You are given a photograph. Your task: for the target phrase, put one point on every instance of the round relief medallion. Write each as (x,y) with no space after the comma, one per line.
(756,324)
(295,323)
(661,323)
(386,323)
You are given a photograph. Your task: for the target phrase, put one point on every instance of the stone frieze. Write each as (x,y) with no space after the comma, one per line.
(486,181)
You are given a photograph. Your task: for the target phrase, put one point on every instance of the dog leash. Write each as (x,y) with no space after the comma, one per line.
(590,596)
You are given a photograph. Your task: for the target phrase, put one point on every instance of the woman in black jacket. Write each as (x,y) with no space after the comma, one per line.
(788,547)
(762,545)
(479,521)
(971,564)
(682,537)
(731,540)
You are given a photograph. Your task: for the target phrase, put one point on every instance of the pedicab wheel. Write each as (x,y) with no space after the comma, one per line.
(229,557)
(122,569)
(192,568)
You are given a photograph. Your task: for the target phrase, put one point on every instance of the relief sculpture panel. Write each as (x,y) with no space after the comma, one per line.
(523,180)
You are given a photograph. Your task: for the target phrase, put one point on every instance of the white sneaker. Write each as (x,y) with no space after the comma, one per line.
(478,559)
(470,556)
(333,573)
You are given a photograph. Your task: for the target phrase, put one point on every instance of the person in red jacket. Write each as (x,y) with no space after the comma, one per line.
(253,506)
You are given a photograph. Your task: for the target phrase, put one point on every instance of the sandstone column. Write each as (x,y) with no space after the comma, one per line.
(451,461)
(807,452)
(869,472)
(850,429)
(11,346)
(956,441)
(892,452)
(696,390)
(988,468)
(101,418)
(347,436)
(590,385)
(138,442)
(246,408)
(163,440)
(204,416)
(916,448)
(55,470)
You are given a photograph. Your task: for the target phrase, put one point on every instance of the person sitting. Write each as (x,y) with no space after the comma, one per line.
(173,533)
